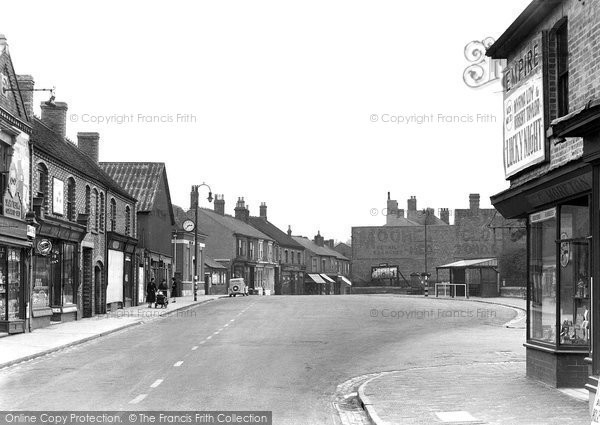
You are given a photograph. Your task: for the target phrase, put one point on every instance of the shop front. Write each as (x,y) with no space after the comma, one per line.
(14,264)
(559,237)
(121,289)
(55,295)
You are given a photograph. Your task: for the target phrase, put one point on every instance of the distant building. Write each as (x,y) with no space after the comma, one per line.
(476,233)
(326,269)
(289,255)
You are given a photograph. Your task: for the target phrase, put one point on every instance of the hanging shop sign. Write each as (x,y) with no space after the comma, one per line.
(43,247)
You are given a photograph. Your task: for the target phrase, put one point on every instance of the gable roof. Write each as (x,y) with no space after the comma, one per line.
(209,262)
(319,250)
(141,180)
(236,226)
(274,232)
(66,152)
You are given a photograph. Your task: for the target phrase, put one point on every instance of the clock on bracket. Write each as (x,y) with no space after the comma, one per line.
(188,226)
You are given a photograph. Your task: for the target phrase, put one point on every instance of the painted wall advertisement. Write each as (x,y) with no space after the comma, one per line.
(524,127)
(16,196)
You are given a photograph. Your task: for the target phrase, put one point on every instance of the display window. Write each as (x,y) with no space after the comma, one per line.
(41,282)
(559,275)
(55,276)
(11,288)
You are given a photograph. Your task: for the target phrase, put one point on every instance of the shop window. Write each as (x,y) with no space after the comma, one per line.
(559,275)
(10,283)
(41,282)
(68,277)
(71,213)
(42,177)
(102,213)
(113,215)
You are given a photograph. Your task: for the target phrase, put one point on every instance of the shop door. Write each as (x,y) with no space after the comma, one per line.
(88,283)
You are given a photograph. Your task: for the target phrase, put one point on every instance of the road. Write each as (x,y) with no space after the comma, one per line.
(287,354)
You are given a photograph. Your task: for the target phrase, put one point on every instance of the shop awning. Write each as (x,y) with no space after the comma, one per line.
(327,278)
(346,281)
(471,264)
(315,278)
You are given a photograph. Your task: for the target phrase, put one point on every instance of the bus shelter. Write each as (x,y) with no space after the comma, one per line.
(475,277)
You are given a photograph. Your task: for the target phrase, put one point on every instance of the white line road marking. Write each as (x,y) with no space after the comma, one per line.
(156,383)
(202,342)
(195,347)
(226,324)
(138,399)
(209,337)
(216,333)
(179,363)
(232,320)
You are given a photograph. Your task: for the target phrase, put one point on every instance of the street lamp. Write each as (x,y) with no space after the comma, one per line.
(425,275)
(195,206)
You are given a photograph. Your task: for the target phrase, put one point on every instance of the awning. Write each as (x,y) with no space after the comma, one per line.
(468,264)
(346,281)
(327,278)
(316,278)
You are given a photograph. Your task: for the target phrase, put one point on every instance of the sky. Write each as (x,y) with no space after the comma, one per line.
(318,108)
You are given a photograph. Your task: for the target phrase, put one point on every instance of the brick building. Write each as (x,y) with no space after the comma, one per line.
(289,256)
(475,233)
(327,270)
(551,151)
(83,255)
(15,159)
(232,242)
(148,183)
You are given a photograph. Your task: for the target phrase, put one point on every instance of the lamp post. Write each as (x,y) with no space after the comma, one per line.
(195,206)
(425,275)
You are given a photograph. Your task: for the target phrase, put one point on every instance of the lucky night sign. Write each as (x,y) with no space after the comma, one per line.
(524,126)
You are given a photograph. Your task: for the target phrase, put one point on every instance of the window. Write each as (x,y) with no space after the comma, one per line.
(68,277)
(88,201)
(323,265)
(102,213)
(71,210)
(314,265)
(241,248)
(260,250)
(42,173)
(562,69)
(285,255)
(113,215)
(251,250)
(299,258)
(560,233)
(127,220)
(96,211)
(292,257)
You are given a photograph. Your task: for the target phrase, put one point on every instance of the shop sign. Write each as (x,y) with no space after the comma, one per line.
(43,247)
(384,272)
(58,196)
(542,215)
(30,231)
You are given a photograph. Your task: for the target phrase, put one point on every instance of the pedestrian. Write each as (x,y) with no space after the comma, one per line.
(174,289)
(151,293)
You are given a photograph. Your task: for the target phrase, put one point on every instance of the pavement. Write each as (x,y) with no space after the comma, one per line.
(22,347)
(472,391)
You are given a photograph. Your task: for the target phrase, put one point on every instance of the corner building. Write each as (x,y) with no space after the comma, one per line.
(551,146)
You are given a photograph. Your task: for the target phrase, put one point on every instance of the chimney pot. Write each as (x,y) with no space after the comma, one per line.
(412,203)
(474,201)
(263,210)
(220,204)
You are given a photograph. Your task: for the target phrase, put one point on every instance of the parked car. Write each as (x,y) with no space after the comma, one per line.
(237,286)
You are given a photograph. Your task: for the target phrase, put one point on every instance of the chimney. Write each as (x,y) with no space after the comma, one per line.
(445,215)
(88,143)
(392,210)
(26,85)
(220,204)
(412,203)
(289,232)
(241,212)
(319,240)
(400,213)
(193,197)
(330,243)
(55,117)
(263,211)
(474,201)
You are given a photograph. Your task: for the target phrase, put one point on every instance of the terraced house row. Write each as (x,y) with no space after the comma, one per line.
(79,237)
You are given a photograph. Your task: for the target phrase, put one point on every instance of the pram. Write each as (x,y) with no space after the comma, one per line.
(161,299)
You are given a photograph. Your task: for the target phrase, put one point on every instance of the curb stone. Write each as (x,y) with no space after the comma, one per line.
(365,401)
(92,337)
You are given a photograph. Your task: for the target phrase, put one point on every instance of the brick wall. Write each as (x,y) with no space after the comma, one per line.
(558,370)
(584,75)
(404,246)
